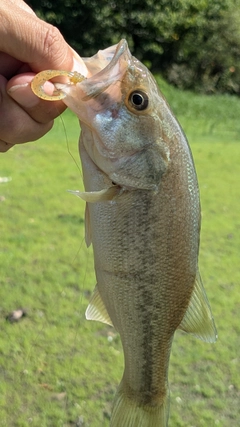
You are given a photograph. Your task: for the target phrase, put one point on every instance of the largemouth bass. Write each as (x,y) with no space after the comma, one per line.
(143,220)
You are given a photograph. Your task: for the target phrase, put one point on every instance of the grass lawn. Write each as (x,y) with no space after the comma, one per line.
(57,369)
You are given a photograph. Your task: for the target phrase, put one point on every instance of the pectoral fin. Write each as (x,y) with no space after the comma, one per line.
(198,319)
(98,196)
(96,309)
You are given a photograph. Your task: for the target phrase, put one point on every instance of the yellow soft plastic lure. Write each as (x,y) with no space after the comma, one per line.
(37,84)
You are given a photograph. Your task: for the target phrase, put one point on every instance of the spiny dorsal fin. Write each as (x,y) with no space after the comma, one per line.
(198,319)
(96,309)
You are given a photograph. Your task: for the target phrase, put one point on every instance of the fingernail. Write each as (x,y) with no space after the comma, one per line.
(13,88)
(23,95)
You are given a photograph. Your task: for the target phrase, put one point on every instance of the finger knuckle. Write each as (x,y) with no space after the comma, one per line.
(52,38)
(18,129)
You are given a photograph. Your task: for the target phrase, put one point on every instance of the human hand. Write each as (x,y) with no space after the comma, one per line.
(28,45)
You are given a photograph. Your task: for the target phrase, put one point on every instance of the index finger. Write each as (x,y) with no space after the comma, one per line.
(30,40)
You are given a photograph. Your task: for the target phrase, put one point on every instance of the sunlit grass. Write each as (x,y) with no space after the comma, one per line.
(57,369)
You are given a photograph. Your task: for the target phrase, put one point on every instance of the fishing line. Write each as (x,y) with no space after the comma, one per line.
(68,147)
(29,356)
(80,172)
(82,280)
(35,332)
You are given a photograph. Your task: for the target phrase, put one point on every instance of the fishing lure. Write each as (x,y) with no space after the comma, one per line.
(37,84)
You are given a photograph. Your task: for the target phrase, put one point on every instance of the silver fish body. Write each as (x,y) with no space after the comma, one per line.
(143,220)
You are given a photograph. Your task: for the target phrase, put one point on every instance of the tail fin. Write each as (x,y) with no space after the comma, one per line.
(128,413)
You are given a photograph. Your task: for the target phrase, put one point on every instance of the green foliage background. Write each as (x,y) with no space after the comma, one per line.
(193,43)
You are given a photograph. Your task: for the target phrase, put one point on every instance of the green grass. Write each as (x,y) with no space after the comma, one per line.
(57,369)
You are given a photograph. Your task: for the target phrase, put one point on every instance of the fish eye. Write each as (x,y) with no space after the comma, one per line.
(138,100)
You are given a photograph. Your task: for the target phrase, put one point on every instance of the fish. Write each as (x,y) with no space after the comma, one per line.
(143,220)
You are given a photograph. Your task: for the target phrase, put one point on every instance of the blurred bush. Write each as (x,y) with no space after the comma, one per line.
(195,44)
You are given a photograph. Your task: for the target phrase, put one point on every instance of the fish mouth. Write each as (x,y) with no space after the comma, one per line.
(117,59)
(105,69)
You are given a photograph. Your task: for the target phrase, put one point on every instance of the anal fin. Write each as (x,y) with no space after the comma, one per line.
(198,319)
(96,309)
